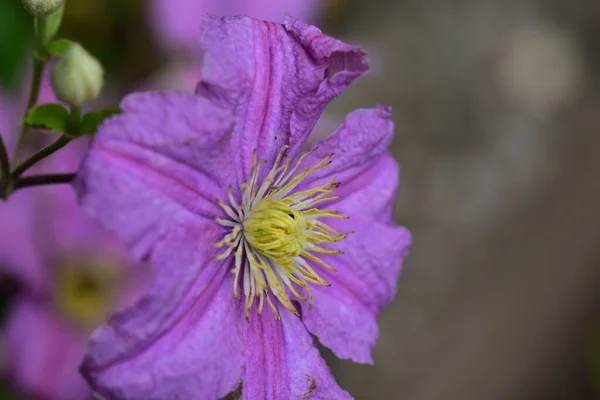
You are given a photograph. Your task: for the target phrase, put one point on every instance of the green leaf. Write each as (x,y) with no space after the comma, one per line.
(48,116)
(59,47)
(91,120)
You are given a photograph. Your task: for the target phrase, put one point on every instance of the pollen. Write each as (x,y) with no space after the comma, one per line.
(276,234)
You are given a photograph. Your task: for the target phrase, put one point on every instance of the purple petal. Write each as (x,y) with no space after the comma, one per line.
(19,255)
(368,199)
(182,339)
(370,192)
(200,357)
(276,80)
(63,228)
(356,144)
(60,226)
(341,321)
(343,316)
(43,353)
(178,21)
(158,162)
(282,361)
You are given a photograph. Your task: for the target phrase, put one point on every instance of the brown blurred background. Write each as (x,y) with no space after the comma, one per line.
(497,106)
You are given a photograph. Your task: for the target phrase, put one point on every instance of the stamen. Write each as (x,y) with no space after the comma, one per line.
(275,234)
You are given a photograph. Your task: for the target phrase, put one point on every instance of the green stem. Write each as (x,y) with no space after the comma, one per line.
(38,180)
(36,81)
(74,121)
(4,161)
(39,32)
(43,153)
(39,62)
(5,178)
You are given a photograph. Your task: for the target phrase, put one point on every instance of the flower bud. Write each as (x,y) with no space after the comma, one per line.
(77,77)
(53,22)
(41,8)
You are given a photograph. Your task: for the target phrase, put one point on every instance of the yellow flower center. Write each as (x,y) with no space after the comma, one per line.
(85,290)
(276,230)
(276,234)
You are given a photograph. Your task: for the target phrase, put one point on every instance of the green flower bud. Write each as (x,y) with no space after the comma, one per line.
(53,22)
(41,8)
(77,77)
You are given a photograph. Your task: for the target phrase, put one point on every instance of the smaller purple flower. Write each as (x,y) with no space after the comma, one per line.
(248,234)
(72,271)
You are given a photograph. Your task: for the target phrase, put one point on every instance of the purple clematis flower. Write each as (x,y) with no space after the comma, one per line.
(242,226)
(177,22)
(73,273)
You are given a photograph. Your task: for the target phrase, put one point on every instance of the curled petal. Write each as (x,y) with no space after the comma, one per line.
(276,79)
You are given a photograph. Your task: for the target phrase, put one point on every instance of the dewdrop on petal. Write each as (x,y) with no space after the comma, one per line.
(41,8)
(77,77)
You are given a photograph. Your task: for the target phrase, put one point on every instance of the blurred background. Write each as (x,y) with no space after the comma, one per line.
(497,106)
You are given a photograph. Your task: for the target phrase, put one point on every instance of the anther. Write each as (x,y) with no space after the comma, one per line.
(275,233)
